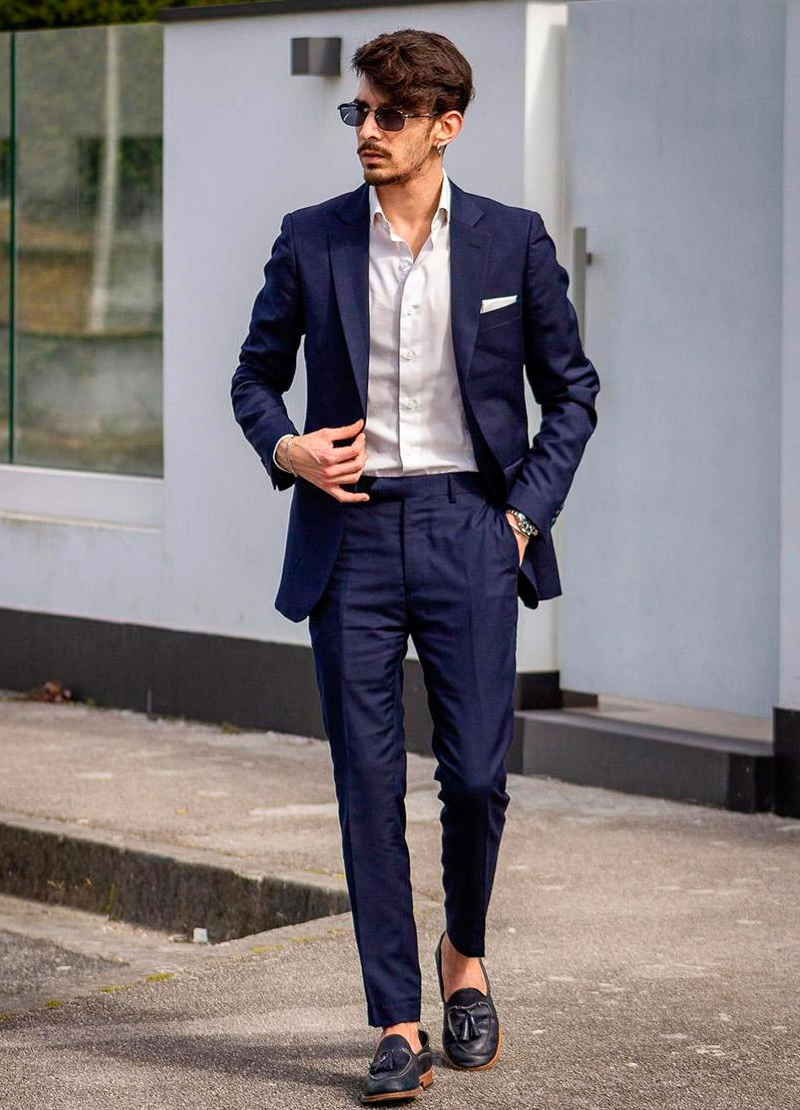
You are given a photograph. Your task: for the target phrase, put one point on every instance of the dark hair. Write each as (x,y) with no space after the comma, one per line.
(417,69)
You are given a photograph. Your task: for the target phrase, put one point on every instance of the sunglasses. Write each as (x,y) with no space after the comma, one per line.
(388,119)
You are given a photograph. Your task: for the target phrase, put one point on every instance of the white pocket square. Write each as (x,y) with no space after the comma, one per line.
(497,302)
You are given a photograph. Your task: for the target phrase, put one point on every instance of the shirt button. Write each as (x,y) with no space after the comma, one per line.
(408,354)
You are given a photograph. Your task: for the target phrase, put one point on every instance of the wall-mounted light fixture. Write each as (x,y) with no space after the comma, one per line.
(319,56)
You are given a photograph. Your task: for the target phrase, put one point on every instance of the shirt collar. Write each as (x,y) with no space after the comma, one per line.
(441,214)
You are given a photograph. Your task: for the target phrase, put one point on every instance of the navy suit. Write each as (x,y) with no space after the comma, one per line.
(316,283)
(429,555)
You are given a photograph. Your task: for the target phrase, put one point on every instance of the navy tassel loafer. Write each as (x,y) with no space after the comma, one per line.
(396,1071)
(471,1033)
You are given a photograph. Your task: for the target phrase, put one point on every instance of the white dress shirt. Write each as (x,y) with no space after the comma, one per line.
(415,415)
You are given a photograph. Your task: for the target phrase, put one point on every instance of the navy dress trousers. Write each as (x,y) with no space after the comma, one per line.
(430,555)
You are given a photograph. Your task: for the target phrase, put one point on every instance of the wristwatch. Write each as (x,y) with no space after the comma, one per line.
(526,526)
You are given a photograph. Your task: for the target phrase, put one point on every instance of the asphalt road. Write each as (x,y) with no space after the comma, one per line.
(643,954)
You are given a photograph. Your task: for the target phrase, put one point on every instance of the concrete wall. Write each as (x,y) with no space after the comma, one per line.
(538,633)
(244,143)
(679,543)
(790,397)
(672,537)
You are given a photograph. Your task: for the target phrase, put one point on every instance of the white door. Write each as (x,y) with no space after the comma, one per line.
(674,116)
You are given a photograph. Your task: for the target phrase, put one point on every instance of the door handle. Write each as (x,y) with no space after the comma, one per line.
(581,258)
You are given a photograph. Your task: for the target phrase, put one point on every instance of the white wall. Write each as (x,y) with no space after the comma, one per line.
(790,405)
(684,521)
(672,534)
(543,191)
(245,142)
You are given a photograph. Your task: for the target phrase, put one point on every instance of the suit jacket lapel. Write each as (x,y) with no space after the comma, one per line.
(348,246)
(469,261)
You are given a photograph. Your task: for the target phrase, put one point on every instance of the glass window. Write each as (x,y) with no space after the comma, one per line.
(5,240)
(84,364)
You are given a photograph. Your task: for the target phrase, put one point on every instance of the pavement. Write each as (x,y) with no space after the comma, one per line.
(642,953)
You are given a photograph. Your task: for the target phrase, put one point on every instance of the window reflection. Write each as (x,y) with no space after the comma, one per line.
(87,344)
(5,239)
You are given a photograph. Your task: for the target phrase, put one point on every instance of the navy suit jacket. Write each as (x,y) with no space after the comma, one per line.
(316,284)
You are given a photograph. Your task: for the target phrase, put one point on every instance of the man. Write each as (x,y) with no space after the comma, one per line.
(424,307)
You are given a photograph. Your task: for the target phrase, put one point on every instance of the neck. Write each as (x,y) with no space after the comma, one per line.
(413,201)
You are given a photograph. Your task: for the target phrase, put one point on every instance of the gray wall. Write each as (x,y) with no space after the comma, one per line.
(671,542)
(681,534)
(244,142)
(790,428)
(263,142)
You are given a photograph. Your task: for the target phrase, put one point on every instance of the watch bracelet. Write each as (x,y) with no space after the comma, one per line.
(527,535)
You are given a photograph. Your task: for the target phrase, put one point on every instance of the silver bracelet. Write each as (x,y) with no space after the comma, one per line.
(289,456)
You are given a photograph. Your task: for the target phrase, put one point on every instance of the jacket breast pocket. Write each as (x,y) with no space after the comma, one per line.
(500,331)
(496,317)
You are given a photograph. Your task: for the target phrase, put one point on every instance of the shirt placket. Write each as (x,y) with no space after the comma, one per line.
(410,368)
(408,382)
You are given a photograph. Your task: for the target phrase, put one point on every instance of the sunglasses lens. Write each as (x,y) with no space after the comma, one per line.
(351,114)
(389,120)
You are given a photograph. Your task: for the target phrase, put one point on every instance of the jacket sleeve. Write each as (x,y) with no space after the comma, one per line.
(268,356)
(564,383)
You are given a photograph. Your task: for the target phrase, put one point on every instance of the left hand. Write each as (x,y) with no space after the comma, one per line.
(522,541)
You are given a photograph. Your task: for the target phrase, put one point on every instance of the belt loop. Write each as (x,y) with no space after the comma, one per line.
(450,494)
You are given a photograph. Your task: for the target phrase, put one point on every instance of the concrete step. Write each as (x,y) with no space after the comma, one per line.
(588,749)
(167,887)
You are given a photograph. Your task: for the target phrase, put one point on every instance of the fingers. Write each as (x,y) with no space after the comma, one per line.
(341,460)
(337,466)
(347,495)
(334,487)
(347,479)
(347,429)
(343,465)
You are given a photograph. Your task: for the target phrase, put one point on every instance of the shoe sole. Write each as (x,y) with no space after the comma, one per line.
(425,1080)
(477,1067)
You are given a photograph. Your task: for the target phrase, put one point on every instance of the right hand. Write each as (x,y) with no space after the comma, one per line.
(316,459)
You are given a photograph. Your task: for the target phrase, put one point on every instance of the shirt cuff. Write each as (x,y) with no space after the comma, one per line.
(275,453)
